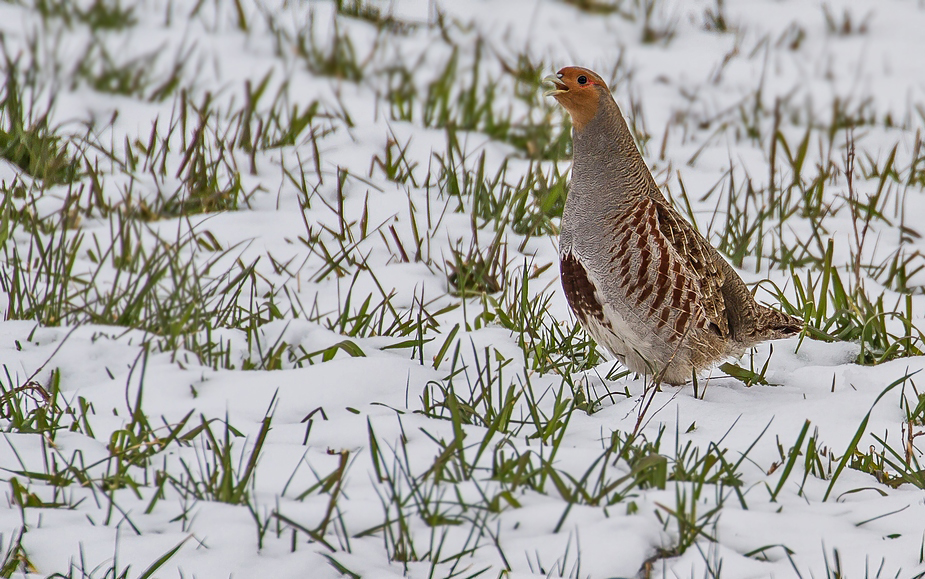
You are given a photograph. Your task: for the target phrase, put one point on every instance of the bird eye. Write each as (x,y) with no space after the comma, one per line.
(582,79)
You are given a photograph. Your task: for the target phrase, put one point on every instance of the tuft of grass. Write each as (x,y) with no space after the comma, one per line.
(835,313)
(714,19)
(102,72)
(657,27)
(364,10)
(99,15)
(81,569)
(27,140)
(358,9)
(690,524)
(461,99)
(844,24)
(547,345)
(33,408)
(406,496)
(530,206)
(748,376)
(394,163)
(476,271)
(15,558)
(895,465)
(210,180)
(207,176)
(217,476)
(140,280)
(338,59)
(597,6)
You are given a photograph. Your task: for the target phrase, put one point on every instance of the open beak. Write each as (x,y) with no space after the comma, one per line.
(559,87)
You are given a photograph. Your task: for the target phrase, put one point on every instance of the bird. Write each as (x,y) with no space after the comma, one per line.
(642,281)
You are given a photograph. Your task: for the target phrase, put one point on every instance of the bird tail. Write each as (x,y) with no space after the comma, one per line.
(775,324)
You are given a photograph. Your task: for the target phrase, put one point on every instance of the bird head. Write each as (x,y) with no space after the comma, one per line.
(579,91)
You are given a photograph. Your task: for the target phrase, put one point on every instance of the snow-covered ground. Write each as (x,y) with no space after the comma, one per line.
(289,305)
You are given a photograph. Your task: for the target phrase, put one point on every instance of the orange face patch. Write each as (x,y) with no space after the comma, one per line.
(578,89)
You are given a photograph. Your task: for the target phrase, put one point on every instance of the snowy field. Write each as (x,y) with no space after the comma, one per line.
(280,295)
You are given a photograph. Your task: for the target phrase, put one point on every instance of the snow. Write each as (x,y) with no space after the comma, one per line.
(689,89)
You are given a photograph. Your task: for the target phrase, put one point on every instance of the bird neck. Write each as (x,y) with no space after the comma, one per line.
(607,168)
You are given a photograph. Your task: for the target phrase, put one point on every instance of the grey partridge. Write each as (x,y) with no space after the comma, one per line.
(641,280)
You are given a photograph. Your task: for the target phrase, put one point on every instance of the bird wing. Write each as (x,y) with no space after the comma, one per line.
(701,260)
